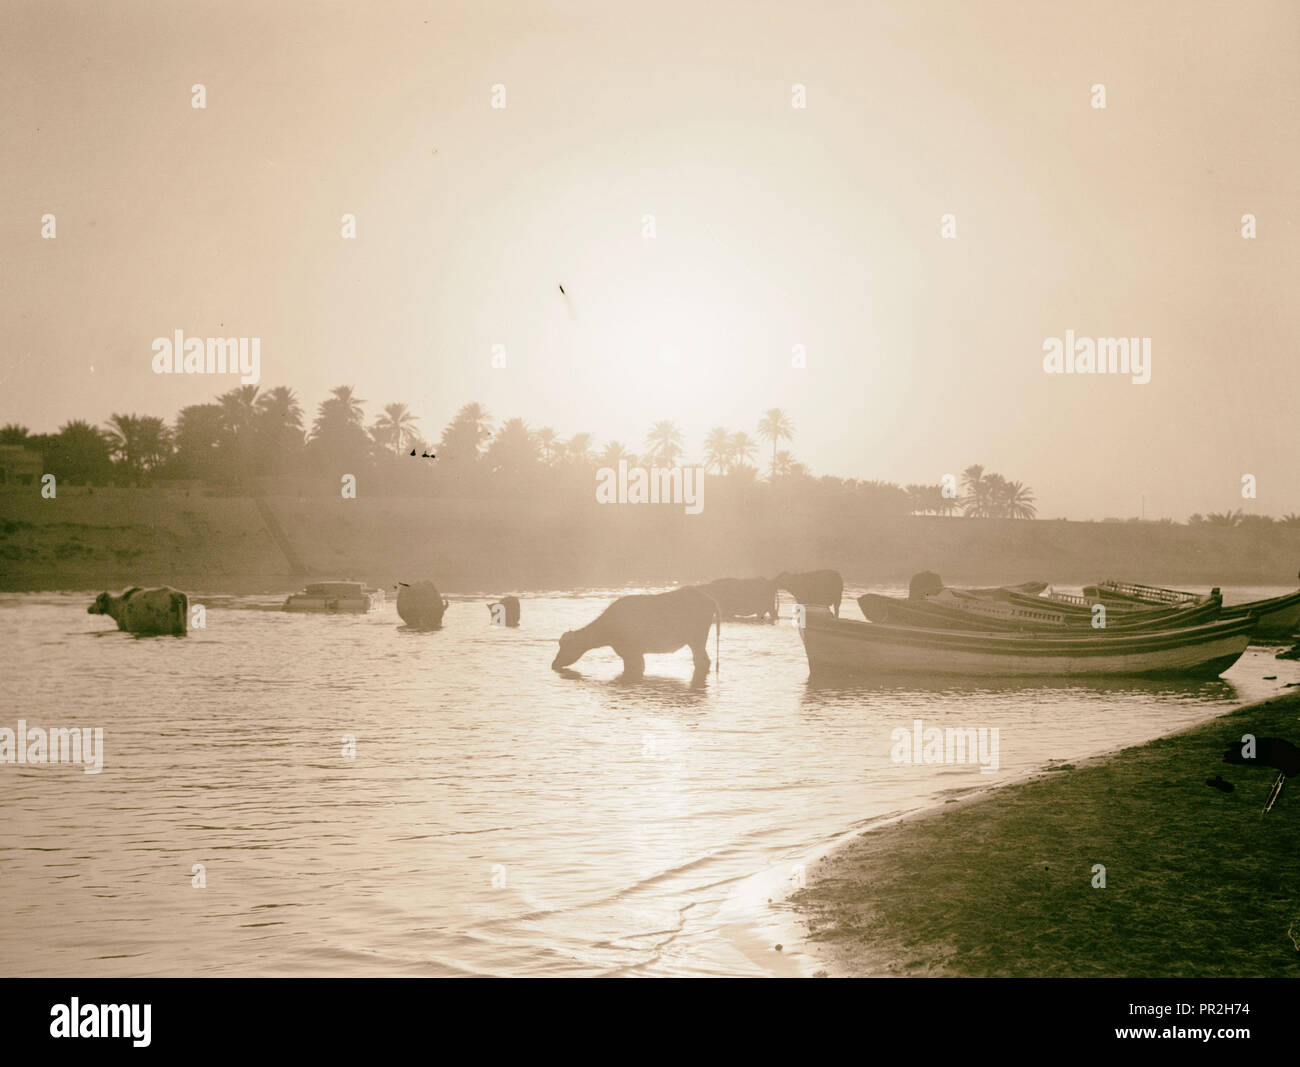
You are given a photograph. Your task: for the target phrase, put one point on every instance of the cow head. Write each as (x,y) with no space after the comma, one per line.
(100,606)
(571,649)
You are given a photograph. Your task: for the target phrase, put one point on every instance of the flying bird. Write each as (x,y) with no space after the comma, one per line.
(562,290)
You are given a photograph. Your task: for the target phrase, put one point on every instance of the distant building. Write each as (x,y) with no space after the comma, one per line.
(20,466)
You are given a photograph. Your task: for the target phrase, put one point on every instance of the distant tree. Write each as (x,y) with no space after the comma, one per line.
(139,444)
(775,427)
(581,449)
(338,436)
(664,443)
(549,441)
(615,451)
(741,448)
(783,464)
(1226,518)
(466,434)
(513,451)
(279,428)
(975,501)
(202,437)
(717,450)
(1290,519)
(1017,501)
(79,452)
(13,434)
(395,429)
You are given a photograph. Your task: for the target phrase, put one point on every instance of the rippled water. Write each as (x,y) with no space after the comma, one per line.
(498,818)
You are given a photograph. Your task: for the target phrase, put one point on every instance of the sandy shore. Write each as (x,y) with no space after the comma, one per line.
(1198,883)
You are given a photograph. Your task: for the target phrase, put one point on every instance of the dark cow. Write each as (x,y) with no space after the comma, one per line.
(635,625)
(509,606)
(421,606)
(741,597)
(819,588)
(146,611)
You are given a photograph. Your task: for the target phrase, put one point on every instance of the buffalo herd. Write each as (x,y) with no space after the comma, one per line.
(632,626)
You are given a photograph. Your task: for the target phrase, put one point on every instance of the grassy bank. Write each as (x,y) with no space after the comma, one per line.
(1198,883)
(200,539)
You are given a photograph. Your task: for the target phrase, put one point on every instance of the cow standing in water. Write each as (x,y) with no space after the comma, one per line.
(635,625)
(817,588)
(146,611)
(741,597)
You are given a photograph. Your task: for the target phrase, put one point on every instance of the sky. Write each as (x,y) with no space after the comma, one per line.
(773,226)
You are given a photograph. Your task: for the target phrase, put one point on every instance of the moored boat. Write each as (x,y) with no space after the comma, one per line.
(850,648)
(343,598)
(956,612)
(1279,616)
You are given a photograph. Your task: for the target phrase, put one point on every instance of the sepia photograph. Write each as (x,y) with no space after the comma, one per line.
(716,489)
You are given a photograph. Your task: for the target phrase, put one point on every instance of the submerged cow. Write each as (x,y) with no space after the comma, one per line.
(635,625)
(741,597)
(509,612)
(146,611)
(815,588)
(421,606)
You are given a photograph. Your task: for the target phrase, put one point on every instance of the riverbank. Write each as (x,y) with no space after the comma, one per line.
(1197,882)
(198,538)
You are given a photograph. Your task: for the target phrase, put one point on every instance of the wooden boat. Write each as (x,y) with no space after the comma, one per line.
(1279,616)
(343,598)
(850,648)
(957,612)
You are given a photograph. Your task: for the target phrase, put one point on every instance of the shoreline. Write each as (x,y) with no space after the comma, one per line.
(999,882)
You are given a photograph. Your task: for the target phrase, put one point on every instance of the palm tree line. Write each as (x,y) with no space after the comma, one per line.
(249,432)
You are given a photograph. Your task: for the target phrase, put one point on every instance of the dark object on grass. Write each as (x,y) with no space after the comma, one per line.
(1290,653)
(1218,783)
(1274,752)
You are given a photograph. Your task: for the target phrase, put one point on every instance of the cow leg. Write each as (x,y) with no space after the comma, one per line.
(700,652)
(633,664)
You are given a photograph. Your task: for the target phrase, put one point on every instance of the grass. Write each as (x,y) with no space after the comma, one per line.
(1198,882)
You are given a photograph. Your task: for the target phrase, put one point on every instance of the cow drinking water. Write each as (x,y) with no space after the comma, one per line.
(635,625)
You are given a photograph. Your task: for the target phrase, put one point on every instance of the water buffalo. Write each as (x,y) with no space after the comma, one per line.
(146,611)
(509,606)
(635,625)
(739,597)
(819,588)
(421,606)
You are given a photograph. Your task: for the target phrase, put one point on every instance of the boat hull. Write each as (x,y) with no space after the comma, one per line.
(1279,616)
(844,647)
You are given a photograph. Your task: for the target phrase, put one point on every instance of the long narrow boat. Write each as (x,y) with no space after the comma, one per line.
(1279,616)
(942,612)
(850,648)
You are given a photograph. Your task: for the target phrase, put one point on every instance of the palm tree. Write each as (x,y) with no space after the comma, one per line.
(740,450)
(975,502)
(80,453)
(1225,518)
(774,426)
(279,426)
(581,448)
(613,452)
(549,441)
(1018,501)
(783,464)
(1289,519)
(513,450)
(395,428)
(717,450)
(13,434)
(466,433)
(340,412)
(664,443)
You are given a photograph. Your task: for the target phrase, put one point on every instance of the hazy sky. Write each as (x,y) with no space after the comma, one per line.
(774,226)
